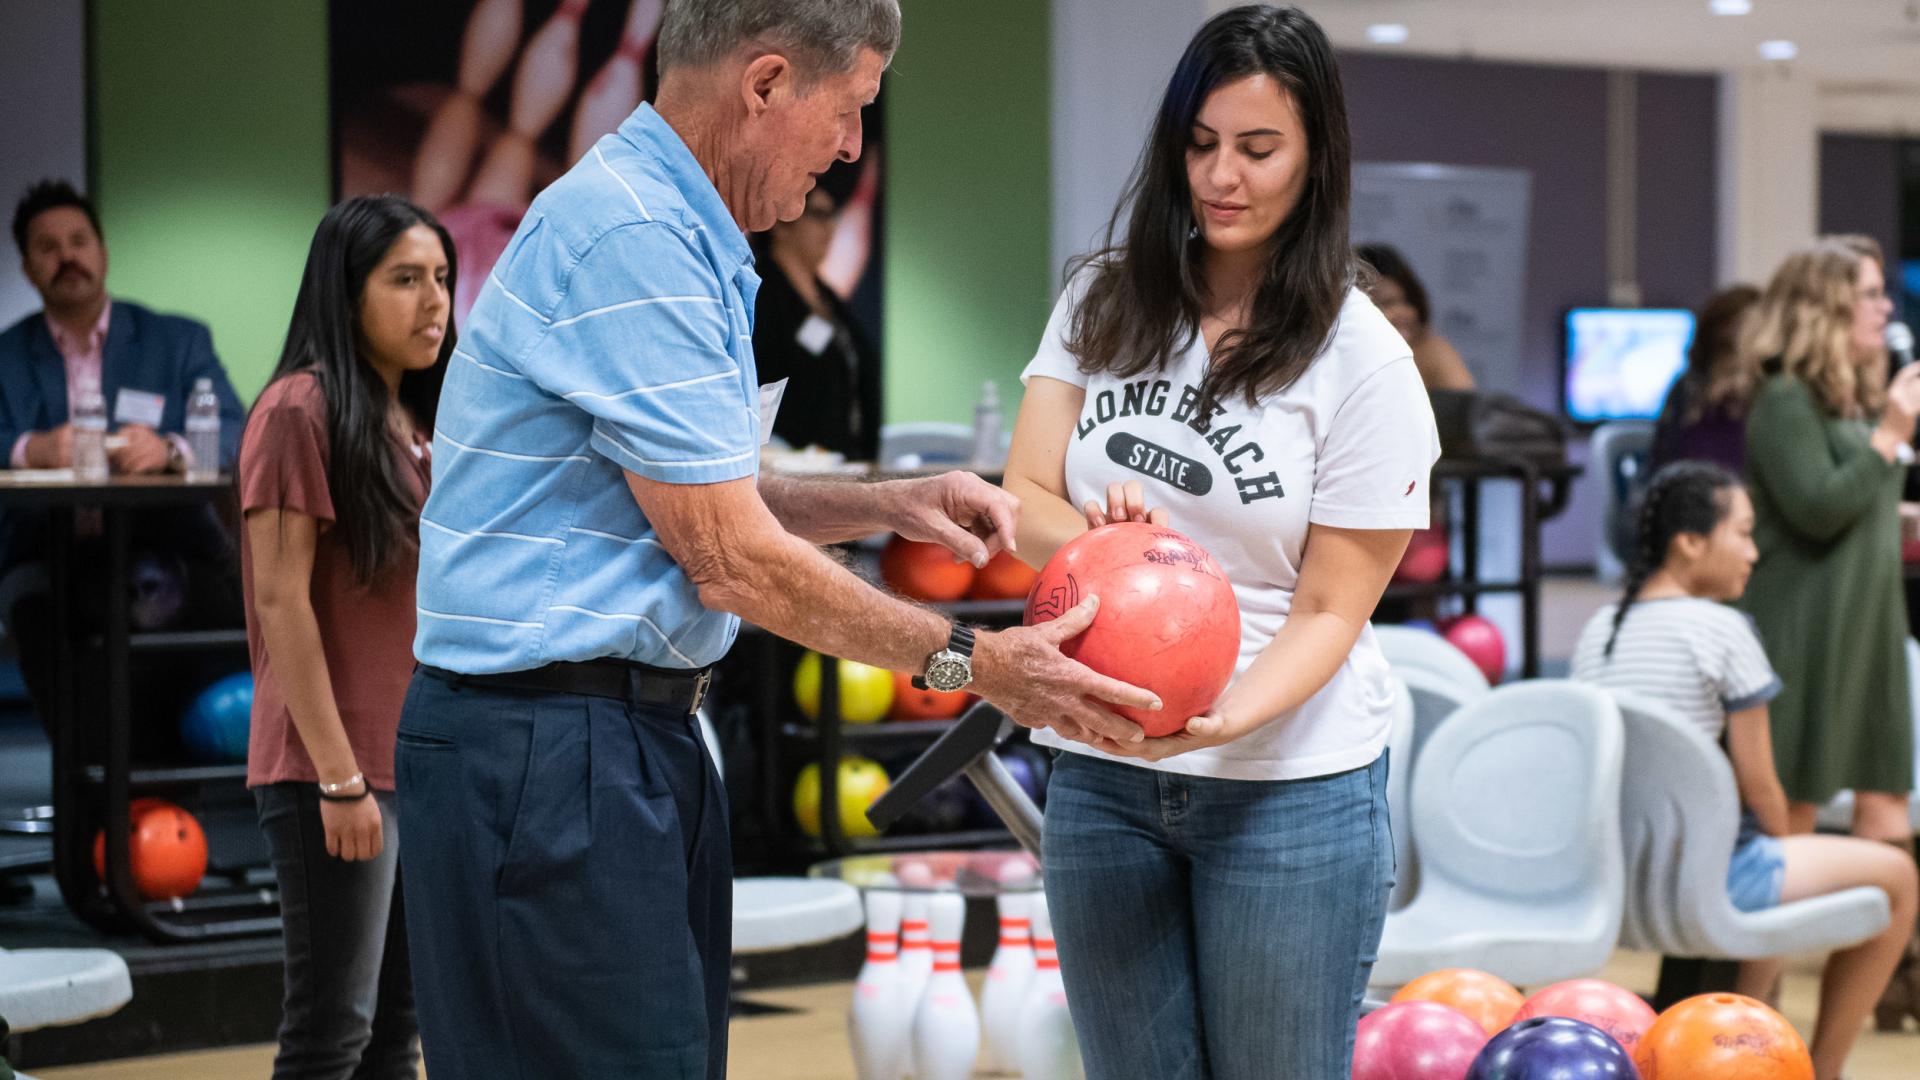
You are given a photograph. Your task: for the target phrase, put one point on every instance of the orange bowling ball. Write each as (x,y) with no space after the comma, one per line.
(1615,1010)
(1723,1036)
(922,571)
(1488,1000)
(913,704)
(167,850)
(1004,577)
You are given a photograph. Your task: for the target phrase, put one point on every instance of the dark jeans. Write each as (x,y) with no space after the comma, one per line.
(572,885)
(349,995)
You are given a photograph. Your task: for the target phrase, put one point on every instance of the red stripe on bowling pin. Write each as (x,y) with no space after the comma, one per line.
(1044,954)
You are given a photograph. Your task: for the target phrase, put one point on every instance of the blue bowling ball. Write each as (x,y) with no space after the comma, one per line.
(1552,1048)
(215,725)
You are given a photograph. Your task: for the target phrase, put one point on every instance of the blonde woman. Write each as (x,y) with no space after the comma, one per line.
(1827,448)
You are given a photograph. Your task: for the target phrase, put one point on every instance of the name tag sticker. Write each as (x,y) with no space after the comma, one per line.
(815,334)
(770,396)
(138,407)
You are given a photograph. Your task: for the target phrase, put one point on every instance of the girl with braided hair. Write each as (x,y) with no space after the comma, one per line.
(1673,638)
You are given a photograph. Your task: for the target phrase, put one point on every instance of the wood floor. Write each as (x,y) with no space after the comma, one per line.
(810,1043)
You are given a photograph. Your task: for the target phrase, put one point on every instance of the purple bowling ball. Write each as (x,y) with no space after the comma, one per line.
(1029,767)
(1552,1048)
(159,591)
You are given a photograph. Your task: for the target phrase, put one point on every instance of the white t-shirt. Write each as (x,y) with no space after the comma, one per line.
(1701,659)
(1349,445)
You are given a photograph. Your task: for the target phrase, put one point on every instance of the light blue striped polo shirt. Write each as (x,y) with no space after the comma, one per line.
(615,333)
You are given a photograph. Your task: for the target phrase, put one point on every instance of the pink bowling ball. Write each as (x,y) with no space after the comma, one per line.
(1416,1040)
(1482,643)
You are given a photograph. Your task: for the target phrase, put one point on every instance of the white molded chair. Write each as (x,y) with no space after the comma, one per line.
(1516,818)
(1399,788)
(773,914)
(1620,452)
(1431,699)
(926,442)
(1418,650)
(55,987)
(1837,816)
(1680,814)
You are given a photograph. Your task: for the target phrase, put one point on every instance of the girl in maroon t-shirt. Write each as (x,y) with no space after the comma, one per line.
(333,472)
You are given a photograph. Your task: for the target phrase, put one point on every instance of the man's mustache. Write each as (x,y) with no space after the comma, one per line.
(76,268)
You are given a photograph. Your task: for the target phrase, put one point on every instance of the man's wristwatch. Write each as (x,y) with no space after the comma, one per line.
(952,667)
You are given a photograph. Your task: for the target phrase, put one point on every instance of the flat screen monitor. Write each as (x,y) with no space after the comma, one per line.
(1620,361)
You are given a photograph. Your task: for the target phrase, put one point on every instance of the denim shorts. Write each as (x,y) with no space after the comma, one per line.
(1215,929)
(1755,875)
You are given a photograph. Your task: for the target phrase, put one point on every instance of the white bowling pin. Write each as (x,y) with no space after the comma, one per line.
(946,1028)
(880,1024)
(1005,996)
(1048,1049)
(916,949)
(614,91)
(487,47)
(544,79)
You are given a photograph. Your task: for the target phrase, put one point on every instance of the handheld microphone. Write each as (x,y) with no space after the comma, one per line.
(1900,344)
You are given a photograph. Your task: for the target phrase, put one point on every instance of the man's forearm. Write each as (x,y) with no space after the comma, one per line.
(827,511)
(792,590)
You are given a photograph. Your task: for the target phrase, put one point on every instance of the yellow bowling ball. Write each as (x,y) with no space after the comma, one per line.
(861,782)
(866,693)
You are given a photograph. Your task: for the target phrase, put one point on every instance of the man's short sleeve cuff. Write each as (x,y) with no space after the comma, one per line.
(717,469)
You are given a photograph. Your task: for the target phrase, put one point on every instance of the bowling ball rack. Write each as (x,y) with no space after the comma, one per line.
(790,741)
(95,774)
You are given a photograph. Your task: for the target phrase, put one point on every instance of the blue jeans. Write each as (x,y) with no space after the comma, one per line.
(569,886)
(1215,929)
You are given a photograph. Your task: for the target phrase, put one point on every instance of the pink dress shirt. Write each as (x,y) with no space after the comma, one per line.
(82,354)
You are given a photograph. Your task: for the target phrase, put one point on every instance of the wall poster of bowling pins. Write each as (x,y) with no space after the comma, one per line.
(471,107)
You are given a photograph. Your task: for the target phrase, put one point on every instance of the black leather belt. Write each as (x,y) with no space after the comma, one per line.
(639,684)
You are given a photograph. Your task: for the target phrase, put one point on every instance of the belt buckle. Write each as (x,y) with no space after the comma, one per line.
(700,686)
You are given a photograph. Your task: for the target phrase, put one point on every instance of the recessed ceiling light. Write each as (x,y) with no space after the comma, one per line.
(1730,7)
(1778,50)
(1387,33)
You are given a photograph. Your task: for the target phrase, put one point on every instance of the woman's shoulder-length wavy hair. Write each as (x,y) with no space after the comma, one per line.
(1803,326)
(1144,294)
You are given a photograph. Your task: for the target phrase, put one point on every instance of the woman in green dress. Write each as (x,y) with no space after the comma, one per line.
(1827,447)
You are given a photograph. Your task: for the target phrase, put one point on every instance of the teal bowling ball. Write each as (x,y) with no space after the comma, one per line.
(215,725)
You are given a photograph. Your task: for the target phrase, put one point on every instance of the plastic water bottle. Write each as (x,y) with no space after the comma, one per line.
(203,431)
(986,428)
(89,418)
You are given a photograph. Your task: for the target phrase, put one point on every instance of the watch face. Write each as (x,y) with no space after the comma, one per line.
(949,673)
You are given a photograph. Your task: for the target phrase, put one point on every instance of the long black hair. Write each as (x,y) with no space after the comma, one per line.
(1686,497)
(373,511)
(1145,295)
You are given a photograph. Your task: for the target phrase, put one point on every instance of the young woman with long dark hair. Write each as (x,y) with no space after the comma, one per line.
(1218,894)
(334,467)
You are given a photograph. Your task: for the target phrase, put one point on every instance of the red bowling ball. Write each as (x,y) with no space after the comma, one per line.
(1416,1040)
(1167,621)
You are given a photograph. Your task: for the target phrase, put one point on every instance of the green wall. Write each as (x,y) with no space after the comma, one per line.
(210,152)
(210,161)
(968,271)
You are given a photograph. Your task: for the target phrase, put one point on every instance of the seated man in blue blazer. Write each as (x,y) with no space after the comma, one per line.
(145,365)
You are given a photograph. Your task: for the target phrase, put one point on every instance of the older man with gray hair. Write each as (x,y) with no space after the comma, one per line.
(597,530)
